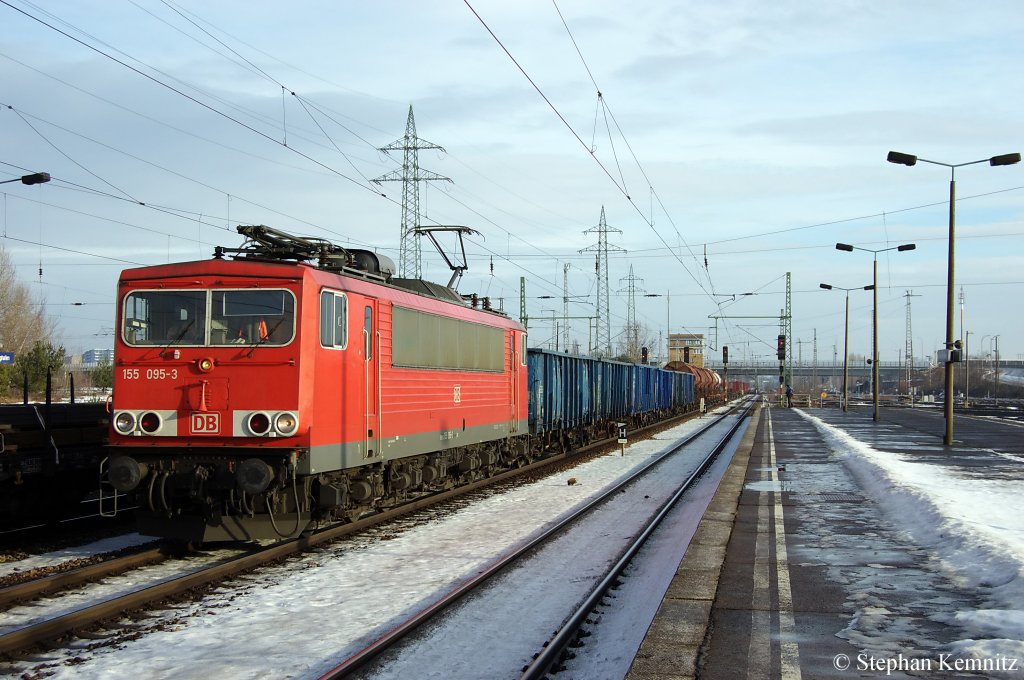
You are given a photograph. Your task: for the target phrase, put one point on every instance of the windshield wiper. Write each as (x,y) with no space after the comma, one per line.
(178,339)
(252,347)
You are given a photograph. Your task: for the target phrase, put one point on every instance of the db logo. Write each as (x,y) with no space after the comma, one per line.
(205,423)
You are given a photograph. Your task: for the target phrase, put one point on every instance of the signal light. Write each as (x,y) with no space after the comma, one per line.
(150,422)
(686,355)
(124,422)
(782,347)
(725,354)
(643,355)
(259,423)
(286,423)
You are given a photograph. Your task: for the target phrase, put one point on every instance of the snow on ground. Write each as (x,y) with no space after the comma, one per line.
(972,525)
(612,646)
(288,621)
(71,600)
(533,597)
(51,559)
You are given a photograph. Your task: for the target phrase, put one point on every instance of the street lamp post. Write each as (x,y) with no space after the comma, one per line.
(874,313)
(967,369)
(995,356)
(909,160)
(846,340)
(34,178)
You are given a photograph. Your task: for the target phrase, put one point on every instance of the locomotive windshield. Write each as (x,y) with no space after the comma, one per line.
(209,318)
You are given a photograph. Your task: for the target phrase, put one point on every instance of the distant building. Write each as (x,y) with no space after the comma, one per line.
(678,342)
(95,357)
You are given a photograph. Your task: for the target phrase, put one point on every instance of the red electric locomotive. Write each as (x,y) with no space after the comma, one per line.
(298,381)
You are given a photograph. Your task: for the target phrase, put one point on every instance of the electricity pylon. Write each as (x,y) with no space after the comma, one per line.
(604,322)
(409,259)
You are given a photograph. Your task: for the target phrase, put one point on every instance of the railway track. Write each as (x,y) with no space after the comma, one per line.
(553,648)
(93,615)
(55,580)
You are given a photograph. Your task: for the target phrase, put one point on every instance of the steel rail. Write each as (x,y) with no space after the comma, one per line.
(376,648)
(50,629)
(45,585)
(554,648)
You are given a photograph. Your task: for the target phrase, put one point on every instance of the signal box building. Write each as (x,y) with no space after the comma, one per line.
(678,344)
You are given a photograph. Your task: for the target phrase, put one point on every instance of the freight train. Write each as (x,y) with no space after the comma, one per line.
(48,458)
(291,381)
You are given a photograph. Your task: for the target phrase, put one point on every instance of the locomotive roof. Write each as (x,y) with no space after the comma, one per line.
(248,269)
(269,252)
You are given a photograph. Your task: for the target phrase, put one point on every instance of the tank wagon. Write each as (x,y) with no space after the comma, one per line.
(291,381)
(707,383)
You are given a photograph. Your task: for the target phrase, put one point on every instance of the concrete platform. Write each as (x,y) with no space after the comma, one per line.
(797,572)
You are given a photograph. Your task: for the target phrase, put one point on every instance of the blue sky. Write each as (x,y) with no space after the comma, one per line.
(757,134)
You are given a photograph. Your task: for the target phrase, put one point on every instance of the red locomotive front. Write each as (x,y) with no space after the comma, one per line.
(256,395)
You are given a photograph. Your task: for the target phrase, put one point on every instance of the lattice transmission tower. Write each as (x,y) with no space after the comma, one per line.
(604,325)
(632,328)
(409,258)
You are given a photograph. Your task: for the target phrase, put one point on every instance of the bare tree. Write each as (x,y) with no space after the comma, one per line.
(23,322)
(633,340)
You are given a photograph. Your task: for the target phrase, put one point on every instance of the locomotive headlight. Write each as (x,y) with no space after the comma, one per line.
(205,364)
(150,422)
(124,422)
(258,423)
(286,423)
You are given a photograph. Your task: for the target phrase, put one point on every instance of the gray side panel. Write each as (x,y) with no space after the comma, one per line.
(330,458)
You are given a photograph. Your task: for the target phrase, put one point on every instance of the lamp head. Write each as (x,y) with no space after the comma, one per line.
(907,246)
(1005,159)
(869,287)
(825,286)
(901,158)
(844,246)
(34,178)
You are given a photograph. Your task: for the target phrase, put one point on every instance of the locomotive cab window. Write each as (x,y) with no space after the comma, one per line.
(368,332)
(165,317)
(333,320)
(203,318)
(251,316)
